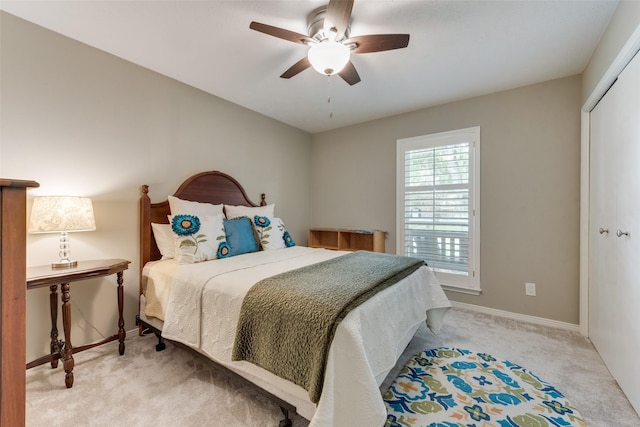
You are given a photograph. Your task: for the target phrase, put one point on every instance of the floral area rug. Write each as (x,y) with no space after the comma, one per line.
(450,387)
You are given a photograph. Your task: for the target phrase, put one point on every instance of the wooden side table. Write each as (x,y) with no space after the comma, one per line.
(44,275)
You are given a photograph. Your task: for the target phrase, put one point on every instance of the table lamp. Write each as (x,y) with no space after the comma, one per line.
(51,214)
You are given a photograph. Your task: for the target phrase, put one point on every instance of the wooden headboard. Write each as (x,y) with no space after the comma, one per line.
(206,187)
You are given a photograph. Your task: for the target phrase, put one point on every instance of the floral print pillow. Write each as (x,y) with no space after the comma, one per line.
(198,238)
(272,233)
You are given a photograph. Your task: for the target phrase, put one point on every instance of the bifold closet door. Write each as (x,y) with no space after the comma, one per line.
(602,214)
(614,258)
(628,231)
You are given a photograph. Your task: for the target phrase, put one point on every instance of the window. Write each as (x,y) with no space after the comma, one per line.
(438,199)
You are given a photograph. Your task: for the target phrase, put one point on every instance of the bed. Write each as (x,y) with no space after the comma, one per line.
(199,305)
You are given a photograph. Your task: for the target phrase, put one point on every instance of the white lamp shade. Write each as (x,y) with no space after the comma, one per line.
(328,57)
(61,213)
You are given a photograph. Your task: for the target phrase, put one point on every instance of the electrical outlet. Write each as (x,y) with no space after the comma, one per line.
(530,289)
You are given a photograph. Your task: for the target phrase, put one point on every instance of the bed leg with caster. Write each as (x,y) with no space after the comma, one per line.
(161,344)
(287,421)
(148,330)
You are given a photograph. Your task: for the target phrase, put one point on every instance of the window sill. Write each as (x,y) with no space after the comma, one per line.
(461,289)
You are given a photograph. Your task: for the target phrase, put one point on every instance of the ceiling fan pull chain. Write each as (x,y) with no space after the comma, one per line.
(329,97)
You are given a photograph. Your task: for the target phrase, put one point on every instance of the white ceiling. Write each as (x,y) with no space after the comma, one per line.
(457,49)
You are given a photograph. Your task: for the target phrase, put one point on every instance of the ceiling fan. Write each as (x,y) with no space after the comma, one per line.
(330,44)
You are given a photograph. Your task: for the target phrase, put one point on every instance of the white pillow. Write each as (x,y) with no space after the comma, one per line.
(198,238)
(272,233)
(164,239)
(179,206)
(249,211)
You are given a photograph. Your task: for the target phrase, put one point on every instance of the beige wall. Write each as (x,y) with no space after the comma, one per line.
(82,122)
(530,188)
(624,22)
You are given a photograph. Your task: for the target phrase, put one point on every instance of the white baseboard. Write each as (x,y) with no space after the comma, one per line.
(517,316)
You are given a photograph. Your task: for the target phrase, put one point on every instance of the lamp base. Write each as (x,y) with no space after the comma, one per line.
(64,264)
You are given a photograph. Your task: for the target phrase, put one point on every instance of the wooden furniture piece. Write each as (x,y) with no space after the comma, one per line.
(44,275)
(13,306)
(346,240)
(614,230)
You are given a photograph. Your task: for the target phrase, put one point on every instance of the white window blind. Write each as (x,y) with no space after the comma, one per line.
(437,215)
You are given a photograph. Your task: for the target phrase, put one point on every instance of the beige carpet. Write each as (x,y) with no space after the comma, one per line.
(174,387)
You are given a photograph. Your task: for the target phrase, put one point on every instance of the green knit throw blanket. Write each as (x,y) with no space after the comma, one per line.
(287,321)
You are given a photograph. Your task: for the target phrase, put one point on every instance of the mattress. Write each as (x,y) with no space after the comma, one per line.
(199,306)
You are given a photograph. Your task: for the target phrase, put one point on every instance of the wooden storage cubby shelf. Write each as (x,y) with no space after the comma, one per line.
(346,240)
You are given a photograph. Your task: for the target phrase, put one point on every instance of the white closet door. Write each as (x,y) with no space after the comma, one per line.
(614,257)
(628,221)
(602,223)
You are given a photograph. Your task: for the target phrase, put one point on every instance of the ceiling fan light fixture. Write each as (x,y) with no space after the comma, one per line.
(328,57)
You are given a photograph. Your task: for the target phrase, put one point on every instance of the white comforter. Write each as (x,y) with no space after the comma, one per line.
(366,344)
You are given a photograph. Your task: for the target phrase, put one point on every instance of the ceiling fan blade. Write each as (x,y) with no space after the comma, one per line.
(296,68)
(349,74)
(281,33)
(378,42)
(337,16)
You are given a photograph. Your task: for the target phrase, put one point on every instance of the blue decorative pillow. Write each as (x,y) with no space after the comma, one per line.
(272,233)
(241,236)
